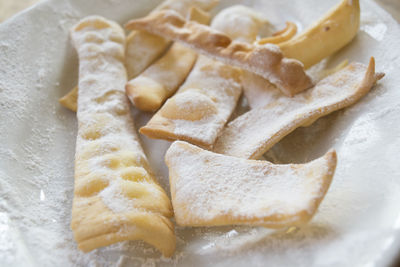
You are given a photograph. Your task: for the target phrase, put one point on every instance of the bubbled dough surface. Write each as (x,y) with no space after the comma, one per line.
(116,198)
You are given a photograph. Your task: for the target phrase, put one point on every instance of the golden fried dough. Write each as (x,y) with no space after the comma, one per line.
(116,197)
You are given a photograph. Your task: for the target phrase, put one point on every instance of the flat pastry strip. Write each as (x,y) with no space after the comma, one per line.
(253,133)
(280,36)
(116,197)
(210,189)
(151,88)
(204,103)
(266,60)
(143,48)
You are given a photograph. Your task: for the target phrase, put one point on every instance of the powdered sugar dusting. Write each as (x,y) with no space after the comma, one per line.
(111,182)
(106,112)
(205,90)
(145,48)
(197,127)
(251,134)
(114,199)
(216,81)
(211,185)
(238,22)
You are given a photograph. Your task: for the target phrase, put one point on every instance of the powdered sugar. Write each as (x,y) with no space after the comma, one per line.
(205,91)
(111,183)
(208,186)
(197,128)
(253,133)
(114,199)
(218,84)
(238,23)
(145,48)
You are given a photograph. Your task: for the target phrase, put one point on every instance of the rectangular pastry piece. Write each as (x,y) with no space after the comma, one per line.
(116,197)
(210,189)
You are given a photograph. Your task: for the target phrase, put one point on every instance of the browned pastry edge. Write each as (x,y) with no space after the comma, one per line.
(267,60)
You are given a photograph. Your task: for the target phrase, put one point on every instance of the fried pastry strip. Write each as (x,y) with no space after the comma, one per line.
(266,60)
(253,133)
(210,189)
(204,103)
(325,36)
(280,36)
(116,197)
(158,82)
(142,48)
(256,88)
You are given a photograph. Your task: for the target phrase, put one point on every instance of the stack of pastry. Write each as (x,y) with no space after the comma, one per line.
(193,86)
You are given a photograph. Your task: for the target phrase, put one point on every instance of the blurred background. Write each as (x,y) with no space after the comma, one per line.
(10,7)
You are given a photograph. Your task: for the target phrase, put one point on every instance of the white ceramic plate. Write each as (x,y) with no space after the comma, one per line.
(358,223)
